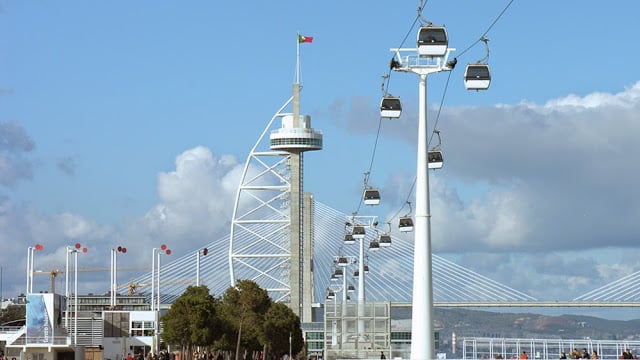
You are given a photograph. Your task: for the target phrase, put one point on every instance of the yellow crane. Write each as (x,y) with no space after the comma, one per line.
(53,273)
(132,288)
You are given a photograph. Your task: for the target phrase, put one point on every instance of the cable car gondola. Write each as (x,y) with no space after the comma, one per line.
(405,224)
(435,159)
(374,246)
(343,261)
(477,77)
(348,239)
(371,196)
(358,232)
(432,41)
(390,107)
(385,240)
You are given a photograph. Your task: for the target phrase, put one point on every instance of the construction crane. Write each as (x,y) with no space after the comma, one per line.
(53,273)
(132,288)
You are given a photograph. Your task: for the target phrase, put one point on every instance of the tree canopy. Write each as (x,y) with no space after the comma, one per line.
(243,319)
(192,319)
(282,331)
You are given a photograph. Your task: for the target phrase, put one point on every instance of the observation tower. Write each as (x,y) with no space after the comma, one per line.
(272,228)
(295,137)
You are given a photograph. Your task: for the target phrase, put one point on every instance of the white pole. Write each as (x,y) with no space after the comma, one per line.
(66,288)
(422,339)
(115,277)
(157,313)
(198,268)
(111,302)
(361,296)
(344,304)
(334,338)
(75,297)
(33,256)
(158,279)
(28,270)
(290,354)
(153,277)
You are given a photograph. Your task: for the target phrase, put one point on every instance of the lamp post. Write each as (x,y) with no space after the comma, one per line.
(422,330)
(204,251)
(155,266)
(114,273)
(78,247)
(30,256)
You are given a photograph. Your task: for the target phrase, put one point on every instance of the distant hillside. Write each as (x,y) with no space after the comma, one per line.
(475,323)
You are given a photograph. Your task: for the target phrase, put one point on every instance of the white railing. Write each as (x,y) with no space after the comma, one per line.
(13,337)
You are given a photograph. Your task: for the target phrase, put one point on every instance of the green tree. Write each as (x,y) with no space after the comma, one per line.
(243,308)
(282,332)
(192,320)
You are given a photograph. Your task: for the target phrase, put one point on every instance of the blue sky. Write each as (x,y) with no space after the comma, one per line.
(106,107)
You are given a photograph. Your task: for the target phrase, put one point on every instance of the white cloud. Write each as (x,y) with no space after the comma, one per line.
(198,196)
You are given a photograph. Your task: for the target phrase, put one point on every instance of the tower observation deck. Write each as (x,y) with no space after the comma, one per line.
(296,136)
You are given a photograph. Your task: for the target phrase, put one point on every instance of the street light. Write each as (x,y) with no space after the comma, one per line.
(30,255)
(422,330)
(73,250)
(156,252)
(114,272)
(204,252)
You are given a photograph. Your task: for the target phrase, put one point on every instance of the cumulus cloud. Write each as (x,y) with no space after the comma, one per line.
(196,200)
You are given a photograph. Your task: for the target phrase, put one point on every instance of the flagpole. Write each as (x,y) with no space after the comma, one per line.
(298,59)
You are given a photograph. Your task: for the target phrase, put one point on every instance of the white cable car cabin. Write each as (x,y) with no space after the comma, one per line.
(343,261)
(371,196)
(358,232)
(385,240)
(348,239)
(435,159)
(374,246)
(405,224)
(390,107)
(432,41)
(477,77)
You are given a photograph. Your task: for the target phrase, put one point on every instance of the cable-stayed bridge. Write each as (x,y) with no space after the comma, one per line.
(390,274)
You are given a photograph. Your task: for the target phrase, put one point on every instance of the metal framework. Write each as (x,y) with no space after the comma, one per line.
(259,245)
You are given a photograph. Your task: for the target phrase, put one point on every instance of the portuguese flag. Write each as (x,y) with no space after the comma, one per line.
(304,39)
